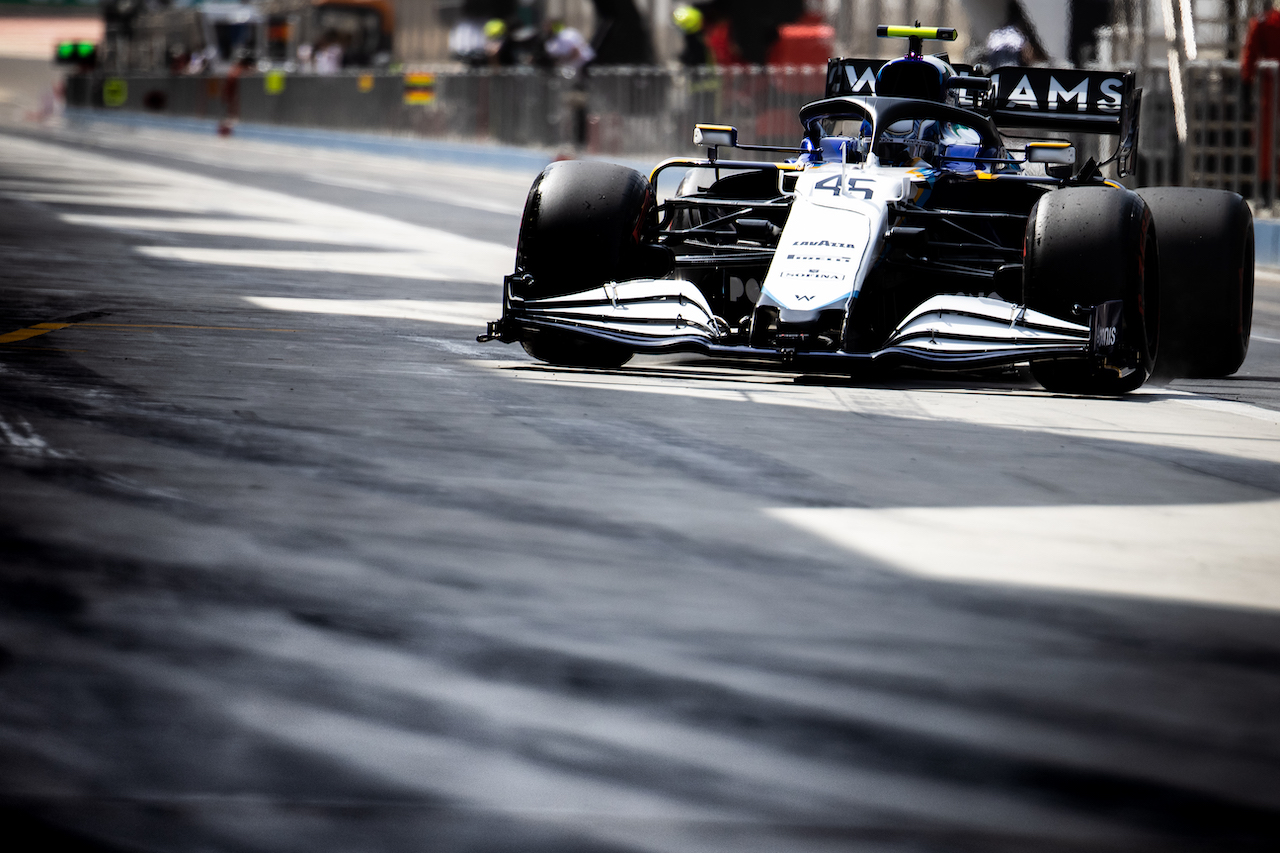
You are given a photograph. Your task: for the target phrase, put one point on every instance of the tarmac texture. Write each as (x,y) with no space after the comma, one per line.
(292,563)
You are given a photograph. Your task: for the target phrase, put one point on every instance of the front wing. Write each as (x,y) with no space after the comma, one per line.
(943,333)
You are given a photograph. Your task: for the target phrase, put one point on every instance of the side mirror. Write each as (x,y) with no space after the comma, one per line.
(1058,157)
(715,135)
(1053,153)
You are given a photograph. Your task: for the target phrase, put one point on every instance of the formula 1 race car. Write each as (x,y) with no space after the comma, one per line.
(904,229)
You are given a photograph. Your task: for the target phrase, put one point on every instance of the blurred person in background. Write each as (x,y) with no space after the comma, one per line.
(1261,43)
(327,57)
(526,40)
(305,56)
(570,52)
(241,64)
(467,42)
(1015,42)
(697,58)
(178,59)
(507,47)
(497,48)
(693,51)
(566,47)
(1005,46)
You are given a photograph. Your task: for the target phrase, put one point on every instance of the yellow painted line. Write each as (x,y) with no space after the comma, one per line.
(174,326)
(44,328)
(32,332)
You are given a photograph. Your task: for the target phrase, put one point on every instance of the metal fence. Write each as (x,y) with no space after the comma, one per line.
(619,111)
(650,112)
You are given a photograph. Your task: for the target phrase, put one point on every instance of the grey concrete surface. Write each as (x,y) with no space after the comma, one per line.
(293,563)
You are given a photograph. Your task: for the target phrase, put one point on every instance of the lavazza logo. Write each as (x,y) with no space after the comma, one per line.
(829,243)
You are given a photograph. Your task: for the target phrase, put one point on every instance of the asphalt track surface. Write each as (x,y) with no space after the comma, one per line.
(292,563)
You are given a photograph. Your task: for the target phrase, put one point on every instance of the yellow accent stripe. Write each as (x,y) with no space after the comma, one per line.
(32,332)
(675,161)
(714,126)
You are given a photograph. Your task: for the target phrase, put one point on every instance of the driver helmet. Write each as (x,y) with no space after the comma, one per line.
(907,141)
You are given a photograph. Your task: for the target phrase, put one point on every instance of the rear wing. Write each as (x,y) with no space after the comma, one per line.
(1065,99)
(852,76)
(1069,100)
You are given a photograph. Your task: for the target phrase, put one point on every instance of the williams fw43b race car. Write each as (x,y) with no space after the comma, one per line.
(906,228)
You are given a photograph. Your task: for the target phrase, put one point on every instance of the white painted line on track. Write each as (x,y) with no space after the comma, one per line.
(413,265)
(459,200)
(434,311)
(259,229)
(1223,554)
(1247,410)
(230,209)
(1264,339)
(1153,416)
(1209,553)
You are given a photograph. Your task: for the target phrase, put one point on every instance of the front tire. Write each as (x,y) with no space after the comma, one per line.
(1085,246)
(584,224)
(1206,246)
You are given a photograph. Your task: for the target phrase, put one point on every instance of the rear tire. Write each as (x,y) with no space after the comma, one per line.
(1206,287)
(1085,246)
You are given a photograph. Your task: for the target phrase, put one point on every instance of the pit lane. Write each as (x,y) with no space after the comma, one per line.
(296,564)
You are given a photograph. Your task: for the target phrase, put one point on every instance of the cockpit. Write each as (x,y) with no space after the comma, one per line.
(903,133)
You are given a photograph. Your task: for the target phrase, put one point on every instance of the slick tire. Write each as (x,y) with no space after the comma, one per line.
(1084,246)
(584,224)
(1206,282)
